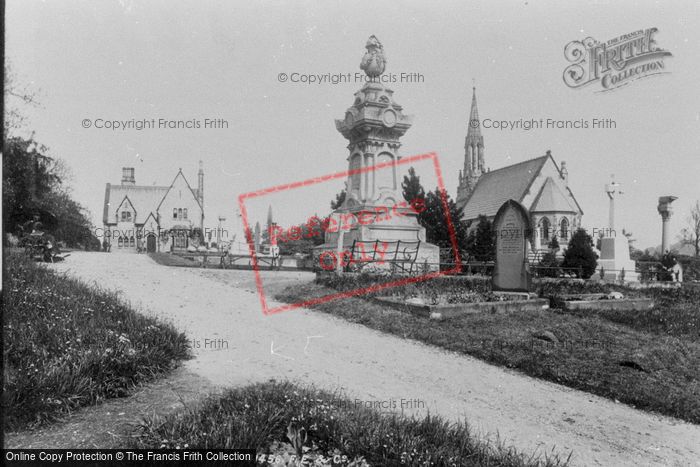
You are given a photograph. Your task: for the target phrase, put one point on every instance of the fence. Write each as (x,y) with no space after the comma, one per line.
(402,258)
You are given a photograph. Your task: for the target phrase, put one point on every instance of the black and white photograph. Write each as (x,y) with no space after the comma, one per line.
(351,234)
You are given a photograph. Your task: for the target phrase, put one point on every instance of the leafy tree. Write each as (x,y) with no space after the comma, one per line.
(72,224)
(481,243)
(691,234)
(554,243)
(630,240)
(433,217)
(33,186)
(302,238)
(339,200)
(412,189)
(579,255)
(34,183)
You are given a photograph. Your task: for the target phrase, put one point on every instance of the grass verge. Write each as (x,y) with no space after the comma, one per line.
(69,345)
(286,420)
(651,371)
(169,259)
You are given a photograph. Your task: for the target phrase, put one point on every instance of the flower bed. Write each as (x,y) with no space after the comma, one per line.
(509,304)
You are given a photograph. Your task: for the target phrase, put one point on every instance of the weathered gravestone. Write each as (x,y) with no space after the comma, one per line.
(513,232)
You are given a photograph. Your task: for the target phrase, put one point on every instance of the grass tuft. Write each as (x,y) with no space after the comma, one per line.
(69,345)
(262,416)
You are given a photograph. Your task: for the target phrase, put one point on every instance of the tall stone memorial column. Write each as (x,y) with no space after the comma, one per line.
(373,126)
(666,210)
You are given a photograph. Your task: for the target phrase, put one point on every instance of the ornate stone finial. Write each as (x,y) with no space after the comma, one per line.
(374,61)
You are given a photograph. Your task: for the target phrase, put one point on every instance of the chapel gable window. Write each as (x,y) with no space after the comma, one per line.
(544,229)
(564,228)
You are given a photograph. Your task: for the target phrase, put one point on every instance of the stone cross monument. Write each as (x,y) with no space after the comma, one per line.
(373,126)
(612,189)
(614,247)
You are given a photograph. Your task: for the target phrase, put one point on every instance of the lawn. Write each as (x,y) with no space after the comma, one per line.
(281,420)
(169,259)
(641,359)
(68,345)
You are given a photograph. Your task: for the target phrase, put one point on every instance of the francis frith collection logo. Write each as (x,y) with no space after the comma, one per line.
(615,63)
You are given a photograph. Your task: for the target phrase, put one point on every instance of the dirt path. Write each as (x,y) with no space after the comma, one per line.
(213,305)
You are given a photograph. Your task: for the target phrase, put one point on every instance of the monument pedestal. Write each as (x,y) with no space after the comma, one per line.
(614,257)
(388,232)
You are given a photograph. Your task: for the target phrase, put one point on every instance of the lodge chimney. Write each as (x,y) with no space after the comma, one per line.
(128,176)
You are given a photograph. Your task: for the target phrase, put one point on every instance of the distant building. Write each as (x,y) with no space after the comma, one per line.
(154,218)
(539,184)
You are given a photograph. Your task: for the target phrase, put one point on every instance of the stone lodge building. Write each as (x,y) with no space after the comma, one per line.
(153,218)
(539,184)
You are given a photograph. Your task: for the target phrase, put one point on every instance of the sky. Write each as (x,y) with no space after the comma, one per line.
(195,60)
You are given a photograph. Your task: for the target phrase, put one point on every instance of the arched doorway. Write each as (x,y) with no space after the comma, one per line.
(151,243)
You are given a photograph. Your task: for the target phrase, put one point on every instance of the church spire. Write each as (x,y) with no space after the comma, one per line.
(474,142)
(473,152)
(474,122)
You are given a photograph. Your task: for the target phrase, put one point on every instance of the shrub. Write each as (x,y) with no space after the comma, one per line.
(549,266)
(579,255)
(481,243)
(554,243)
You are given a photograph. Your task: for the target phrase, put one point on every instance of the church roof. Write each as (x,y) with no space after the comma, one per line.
(498,186)
(552,199)
(144,199)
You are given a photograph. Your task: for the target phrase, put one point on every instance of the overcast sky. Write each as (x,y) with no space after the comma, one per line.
(185,60)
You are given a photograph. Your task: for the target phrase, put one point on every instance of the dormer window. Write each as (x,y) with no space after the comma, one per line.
(126,216)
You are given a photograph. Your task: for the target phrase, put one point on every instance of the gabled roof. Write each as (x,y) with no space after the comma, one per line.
(194,192)
(126,201)
(151,215)
(142,198)
(498,186)
(552,199)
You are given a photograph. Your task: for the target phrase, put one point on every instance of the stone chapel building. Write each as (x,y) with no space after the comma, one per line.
(539,184)
(153,218)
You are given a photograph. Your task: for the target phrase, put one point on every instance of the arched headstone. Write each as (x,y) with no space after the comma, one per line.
(512,229)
